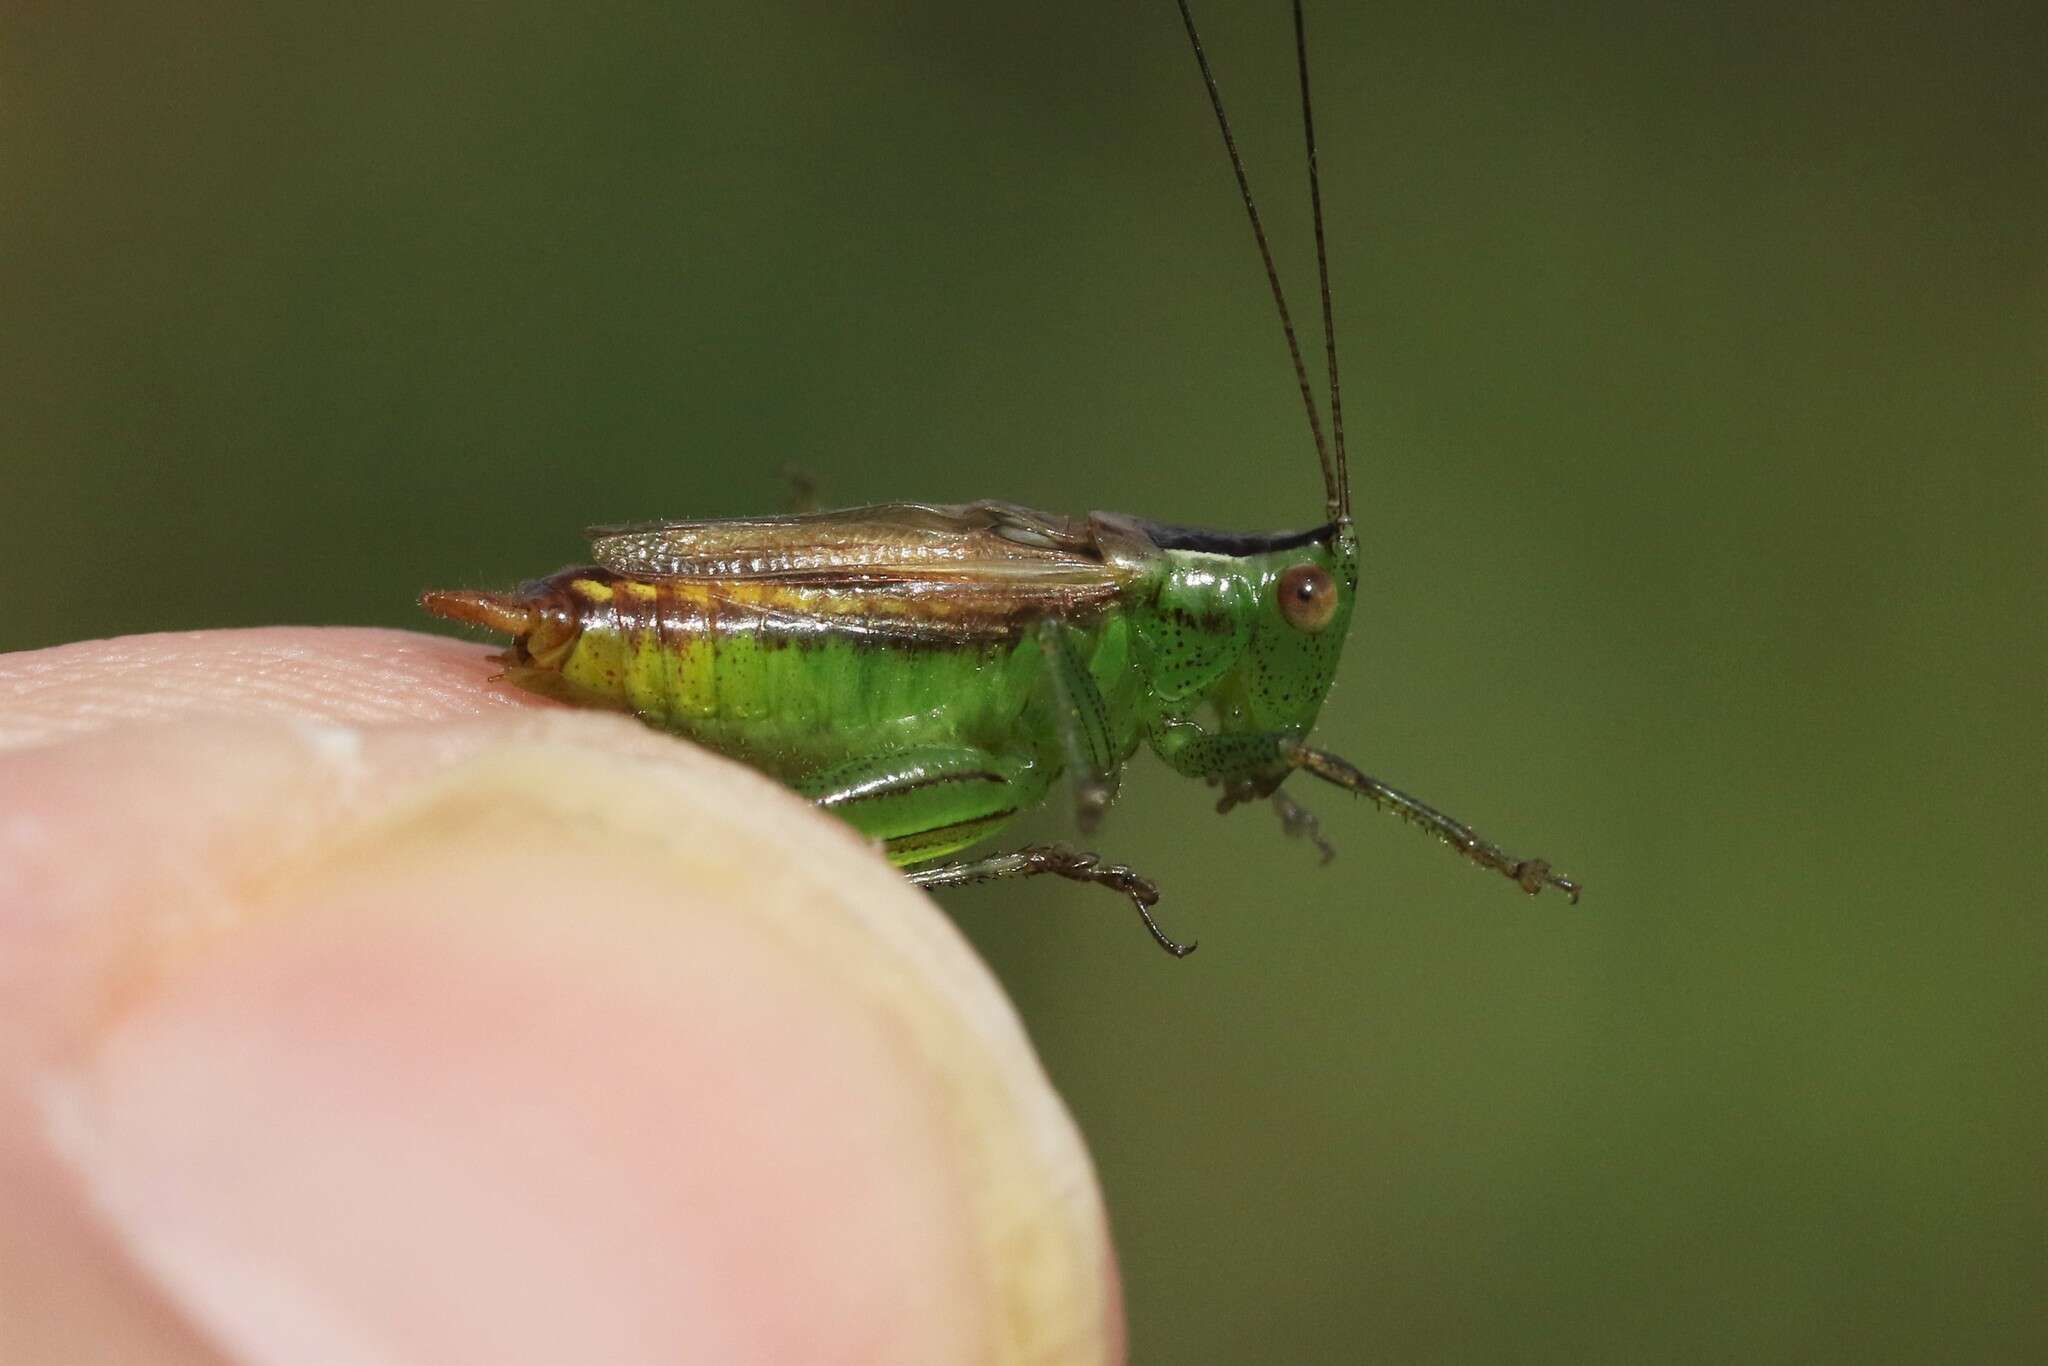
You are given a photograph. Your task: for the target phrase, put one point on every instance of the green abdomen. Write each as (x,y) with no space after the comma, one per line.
(793,678)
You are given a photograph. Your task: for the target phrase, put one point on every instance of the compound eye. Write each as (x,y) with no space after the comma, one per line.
(1308,597)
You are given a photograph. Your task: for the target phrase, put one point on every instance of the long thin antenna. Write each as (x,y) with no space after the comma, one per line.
(1315,199)
(1337,496)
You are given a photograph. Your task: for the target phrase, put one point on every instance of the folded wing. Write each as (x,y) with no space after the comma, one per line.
(988,542)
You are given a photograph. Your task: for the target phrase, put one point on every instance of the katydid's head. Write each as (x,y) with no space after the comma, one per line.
(1301,588)
(1246,631)
(1302,601)
(1240,636)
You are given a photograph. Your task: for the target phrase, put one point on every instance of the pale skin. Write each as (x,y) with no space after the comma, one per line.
(356,1008)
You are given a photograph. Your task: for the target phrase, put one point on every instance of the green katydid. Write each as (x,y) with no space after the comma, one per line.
(927,672)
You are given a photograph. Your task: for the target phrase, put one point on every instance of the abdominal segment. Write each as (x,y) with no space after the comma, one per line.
(791,678)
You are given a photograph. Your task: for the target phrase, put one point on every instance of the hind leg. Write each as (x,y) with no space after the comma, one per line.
(1035,860)
(928,802)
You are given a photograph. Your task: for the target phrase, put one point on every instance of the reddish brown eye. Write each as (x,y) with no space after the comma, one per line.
(1308,597)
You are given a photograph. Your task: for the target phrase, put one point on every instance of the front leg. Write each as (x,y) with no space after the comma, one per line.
(1251,765)
(1532,875)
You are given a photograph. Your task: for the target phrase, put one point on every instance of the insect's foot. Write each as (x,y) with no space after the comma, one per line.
(1082,866)
(1298,822)
(1159,937)
(1534,874)
(1145,901)
(1235,794)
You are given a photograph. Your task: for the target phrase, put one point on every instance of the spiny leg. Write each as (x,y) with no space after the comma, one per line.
(1297,821)
(1060,861)
(1532,875)
(1083,724)
(929,801)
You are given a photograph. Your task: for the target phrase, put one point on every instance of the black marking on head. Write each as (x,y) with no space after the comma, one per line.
(1168,536)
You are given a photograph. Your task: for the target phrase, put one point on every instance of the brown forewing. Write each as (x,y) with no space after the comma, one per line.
(986,542)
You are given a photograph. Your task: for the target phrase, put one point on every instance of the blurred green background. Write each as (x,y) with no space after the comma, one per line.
(1695,365)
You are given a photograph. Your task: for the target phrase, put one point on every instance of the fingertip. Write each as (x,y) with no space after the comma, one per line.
(551,1038)
(348,675)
